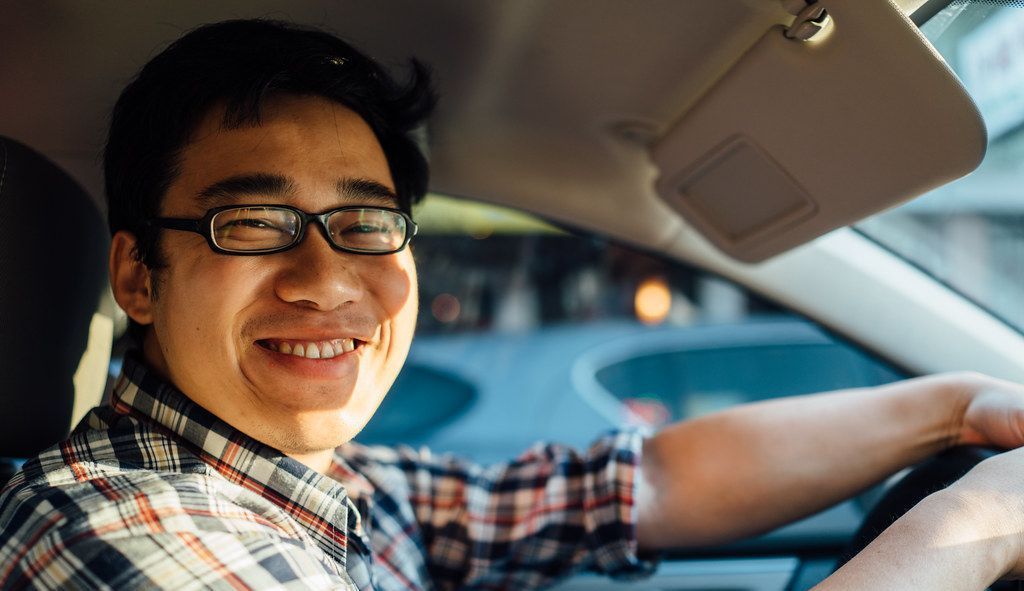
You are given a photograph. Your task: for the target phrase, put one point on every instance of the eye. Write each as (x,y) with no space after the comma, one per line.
(254,228)
(365,228)
(245,224)
(252,223)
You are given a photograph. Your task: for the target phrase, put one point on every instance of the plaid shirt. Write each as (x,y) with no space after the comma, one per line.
(155,492)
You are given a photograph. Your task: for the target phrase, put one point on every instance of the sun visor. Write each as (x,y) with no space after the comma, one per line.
(803,136)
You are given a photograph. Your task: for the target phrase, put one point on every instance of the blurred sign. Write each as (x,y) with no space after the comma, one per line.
(991,60)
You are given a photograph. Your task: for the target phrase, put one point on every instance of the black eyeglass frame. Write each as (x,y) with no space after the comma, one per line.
(204,227)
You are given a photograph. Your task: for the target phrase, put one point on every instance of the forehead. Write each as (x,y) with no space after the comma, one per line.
(313,142)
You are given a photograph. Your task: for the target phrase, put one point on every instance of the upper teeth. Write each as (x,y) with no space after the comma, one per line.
(313,349)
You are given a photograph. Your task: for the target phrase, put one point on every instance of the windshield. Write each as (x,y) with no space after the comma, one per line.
(970,234)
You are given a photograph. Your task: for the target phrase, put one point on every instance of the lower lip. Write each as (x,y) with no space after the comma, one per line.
(322,369)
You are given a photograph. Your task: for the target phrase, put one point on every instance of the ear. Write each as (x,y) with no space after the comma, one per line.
(130,280)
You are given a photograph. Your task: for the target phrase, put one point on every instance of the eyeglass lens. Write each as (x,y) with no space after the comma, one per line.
(245,229)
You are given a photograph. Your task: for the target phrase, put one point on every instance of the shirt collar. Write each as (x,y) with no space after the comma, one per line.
(318,502)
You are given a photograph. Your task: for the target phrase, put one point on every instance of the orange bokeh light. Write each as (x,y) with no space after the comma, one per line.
(653,300)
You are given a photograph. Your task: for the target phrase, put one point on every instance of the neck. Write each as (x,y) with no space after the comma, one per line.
(319,460)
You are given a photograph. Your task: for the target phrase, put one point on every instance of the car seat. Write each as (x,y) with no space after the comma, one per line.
(54,347)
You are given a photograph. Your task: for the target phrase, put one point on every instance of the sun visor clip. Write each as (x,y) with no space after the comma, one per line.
(808,22)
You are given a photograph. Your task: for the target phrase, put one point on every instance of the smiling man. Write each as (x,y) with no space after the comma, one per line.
(260,179)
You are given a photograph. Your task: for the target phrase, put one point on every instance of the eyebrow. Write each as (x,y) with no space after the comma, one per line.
(236,187)
(365,190)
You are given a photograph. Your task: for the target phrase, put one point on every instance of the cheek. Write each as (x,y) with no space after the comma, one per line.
(394,291)
(398,293)
(199,303)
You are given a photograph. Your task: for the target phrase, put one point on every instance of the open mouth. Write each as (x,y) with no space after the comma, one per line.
(311,349)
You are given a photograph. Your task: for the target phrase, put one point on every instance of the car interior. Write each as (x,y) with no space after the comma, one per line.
(659,209)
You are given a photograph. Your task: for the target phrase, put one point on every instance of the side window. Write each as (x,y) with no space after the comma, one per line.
(527,332)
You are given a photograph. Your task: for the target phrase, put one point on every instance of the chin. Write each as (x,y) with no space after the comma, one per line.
(304,441)
(312,422)
(327,430)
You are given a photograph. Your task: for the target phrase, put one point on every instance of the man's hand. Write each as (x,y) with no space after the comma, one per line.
(994,413)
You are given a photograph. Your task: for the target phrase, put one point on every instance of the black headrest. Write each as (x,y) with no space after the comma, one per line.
(53,252)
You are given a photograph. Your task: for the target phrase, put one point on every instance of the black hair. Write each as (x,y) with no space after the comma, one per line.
(238,63)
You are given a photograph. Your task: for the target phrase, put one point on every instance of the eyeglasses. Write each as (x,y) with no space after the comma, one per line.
(266,229)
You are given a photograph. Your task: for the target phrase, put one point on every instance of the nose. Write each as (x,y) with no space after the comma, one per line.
(317,276)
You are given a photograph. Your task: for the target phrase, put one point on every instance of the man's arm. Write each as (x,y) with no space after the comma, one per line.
(964,537)
(943,543)
(756,467)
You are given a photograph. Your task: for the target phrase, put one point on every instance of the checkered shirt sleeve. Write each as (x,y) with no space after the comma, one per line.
(520,525)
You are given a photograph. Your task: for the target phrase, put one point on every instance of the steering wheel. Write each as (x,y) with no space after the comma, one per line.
(928,477)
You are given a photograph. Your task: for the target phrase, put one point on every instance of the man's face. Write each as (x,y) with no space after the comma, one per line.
(217,317)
